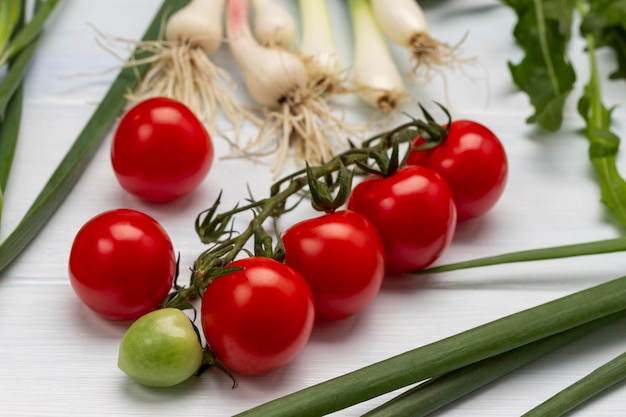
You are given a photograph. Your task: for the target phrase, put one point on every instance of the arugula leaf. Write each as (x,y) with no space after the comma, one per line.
(606,22)
(603,144)
(543,30)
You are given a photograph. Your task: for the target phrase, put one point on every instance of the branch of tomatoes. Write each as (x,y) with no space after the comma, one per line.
(327,185)
(279,287)
(213,227)
(398,238)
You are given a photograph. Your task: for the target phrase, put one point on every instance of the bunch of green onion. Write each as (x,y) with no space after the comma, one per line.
(18,41)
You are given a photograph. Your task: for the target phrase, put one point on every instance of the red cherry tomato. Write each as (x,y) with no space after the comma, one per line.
(257,319)
(122,264)
(342,257)
(161,150)
(472,160)
(414,213)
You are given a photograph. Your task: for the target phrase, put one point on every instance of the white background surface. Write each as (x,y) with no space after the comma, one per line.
(57,358)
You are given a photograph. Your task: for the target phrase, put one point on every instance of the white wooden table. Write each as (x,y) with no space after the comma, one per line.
(57,358)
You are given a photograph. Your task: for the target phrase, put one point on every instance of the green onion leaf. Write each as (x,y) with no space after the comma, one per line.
(555,252)
(432,395)
(30,31)
(15,75)
(451,353)
(576,394)
(10,124)
(77,158)
(9,132)
(10,11)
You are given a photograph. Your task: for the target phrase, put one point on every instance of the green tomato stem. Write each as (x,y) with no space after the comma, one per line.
(212,228)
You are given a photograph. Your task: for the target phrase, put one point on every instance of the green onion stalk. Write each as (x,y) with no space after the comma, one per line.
(432,395)
(11,86)
(10,11)
(586,388)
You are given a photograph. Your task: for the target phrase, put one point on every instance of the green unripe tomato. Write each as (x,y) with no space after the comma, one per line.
(160,349)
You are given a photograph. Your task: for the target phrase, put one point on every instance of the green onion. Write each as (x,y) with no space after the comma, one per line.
(451,353)
(11,15)
(81,152)
(597,381)
(375,74)
(9,132)
(20,53)
(30,31)
(555,252)
(15,75)
(438,392)
(10,11)
(319,47)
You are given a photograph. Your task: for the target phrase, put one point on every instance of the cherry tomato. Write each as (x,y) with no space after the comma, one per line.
(257,319)
(341,255)
(472,160)
(160,349)
(413,211)
(122,264)
(160,150)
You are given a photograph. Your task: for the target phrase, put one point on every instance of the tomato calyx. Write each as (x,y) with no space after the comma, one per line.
(264,244)
(385,164)
(210,361)
(203,273)
(387,161)
(432,132)
(211,228)
(321,191)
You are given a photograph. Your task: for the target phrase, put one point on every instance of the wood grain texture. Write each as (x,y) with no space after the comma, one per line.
(59,359)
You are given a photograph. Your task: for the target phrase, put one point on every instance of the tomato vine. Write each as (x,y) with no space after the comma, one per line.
(215,228)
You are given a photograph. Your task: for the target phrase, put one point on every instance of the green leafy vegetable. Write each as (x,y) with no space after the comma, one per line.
(603,144)
(606,22)
(545,73)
